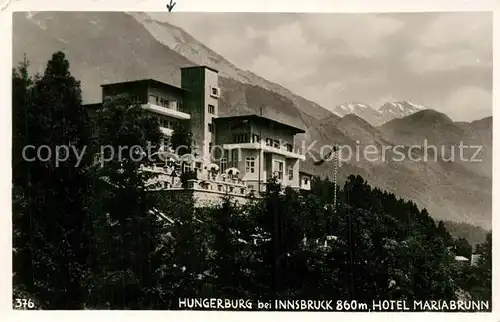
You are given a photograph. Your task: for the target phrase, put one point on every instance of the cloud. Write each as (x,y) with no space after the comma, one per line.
(358,34)
(336,92)
(441,60)
(289,55)
(468,103)
(462,29)
(232,52)
(327,95)
(453,41)
(422,60)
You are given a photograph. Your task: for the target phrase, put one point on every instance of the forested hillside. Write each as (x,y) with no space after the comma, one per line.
(86,236)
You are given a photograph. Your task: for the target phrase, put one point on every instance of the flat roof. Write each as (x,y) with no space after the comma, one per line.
(258,117)
(147,81)
(201,66)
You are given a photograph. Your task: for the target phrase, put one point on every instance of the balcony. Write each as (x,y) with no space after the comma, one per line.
(283,150)
(173,111)
(220,184)
(222,187)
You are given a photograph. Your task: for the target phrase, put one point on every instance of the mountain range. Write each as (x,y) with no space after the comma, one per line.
(105,47)
(388,111)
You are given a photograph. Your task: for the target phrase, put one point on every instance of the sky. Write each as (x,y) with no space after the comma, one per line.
(440,60)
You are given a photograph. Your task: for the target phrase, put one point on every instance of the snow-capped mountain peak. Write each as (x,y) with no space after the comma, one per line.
(402,108)
(351,108)
(362,110)
(385,113)
(399,109)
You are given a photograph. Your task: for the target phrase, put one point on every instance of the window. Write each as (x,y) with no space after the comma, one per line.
(255,138)
(269,142)
(210,147)
(211,128)
(223,164)
(250,165)
(290,173)
(186,167)
(162,101)
(278,168)
(214,91)
(234,157)
(211,109)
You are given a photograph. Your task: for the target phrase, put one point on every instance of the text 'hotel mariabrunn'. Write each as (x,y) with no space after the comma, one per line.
(331,305)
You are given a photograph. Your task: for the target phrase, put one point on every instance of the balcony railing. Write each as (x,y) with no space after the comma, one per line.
(218,186)
(269,142)
(170,104)
(212,182)
(285,151)
(166,111)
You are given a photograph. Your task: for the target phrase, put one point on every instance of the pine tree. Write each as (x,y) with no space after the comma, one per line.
(51,217)
(480,285)
(463,248)
(22,251)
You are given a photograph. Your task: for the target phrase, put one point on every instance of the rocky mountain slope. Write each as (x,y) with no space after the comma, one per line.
(183,43)
(105,47)
(443,137)
(459,191)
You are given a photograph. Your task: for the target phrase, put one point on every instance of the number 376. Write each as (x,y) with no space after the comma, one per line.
(24,304)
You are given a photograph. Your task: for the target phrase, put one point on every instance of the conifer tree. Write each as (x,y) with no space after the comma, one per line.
(480,285)
(53,223)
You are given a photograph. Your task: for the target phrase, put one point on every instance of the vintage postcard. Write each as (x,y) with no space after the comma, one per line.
(252,161)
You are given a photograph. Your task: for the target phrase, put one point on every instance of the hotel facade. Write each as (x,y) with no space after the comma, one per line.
(234,155)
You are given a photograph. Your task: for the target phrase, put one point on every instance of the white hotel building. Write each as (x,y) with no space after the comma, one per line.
(235,155)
